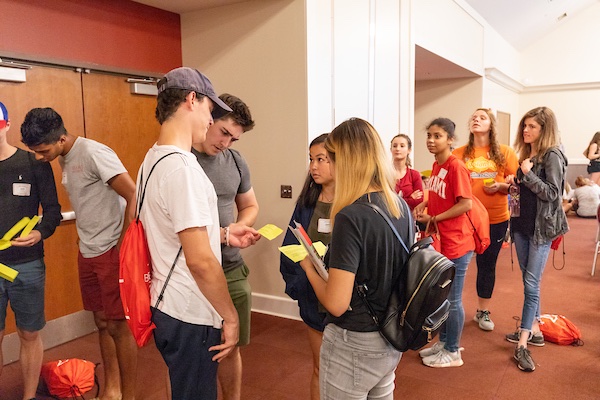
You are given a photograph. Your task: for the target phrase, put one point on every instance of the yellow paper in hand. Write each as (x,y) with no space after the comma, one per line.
(4,244)
(12,232)
(320,248)
(294,252)
(8,273)
(270,231)
(32,223)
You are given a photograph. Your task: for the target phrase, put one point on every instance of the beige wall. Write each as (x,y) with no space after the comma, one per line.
(257,51)
(451,98)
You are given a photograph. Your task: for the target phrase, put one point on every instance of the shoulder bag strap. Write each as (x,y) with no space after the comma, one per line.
(362,289)
(141,195)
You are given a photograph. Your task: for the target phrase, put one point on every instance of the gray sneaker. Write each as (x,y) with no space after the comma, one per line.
(536,339)
(482,317)
(436,348)
(524,360)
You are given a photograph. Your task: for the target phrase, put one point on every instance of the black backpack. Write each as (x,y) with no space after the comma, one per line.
(418,304)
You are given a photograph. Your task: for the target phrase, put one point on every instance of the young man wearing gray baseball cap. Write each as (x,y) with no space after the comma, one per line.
(196,322)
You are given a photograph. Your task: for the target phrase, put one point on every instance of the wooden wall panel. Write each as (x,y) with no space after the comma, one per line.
(61,90)
(123,121)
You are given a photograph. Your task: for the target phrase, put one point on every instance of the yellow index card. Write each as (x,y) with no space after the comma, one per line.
(12,232)
(270,231)
(8,273)
(32,223)
(294,252)
(320,248)
(4,244)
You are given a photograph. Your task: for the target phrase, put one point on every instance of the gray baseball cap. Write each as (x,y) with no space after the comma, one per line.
(191,79)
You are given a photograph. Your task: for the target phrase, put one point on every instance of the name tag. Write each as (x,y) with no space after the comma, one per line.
(64,178)
(324,225)
(442,173)
(21,189)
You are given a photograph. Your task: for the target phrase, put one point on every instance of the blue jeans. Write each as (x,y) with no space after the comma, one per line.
(356,365)
(453,327)
(532,260)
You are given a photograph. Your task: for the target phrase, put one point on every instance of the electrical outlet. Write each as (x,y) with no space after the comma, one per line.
(286,191)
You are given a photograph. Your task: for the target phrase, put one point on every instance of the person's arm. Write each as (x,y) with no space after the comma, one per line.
(592,152)
(336,293)
(550,189)
(461,206)
(208,274)
(247,207)
(125,187)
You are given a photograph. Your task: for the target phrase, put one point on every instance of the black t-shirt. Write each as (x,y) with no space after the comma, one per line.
(25,183)
(363,243)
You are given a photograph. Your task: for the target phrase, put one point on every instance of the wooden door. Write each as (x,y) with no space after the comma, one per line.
(121,120)
(503,127)
(59,89)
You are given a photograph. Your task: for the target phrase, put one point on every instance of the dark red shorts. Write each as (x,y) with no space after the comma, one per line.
(99,282)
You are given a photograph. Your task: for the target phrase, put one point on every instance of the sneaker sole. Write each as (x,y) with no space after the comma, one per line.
(528,343)
(456,363)
(523,369)
(486,328)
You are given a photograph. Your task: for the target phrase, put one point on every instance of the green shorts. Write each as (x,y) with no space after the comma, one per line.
(241,294)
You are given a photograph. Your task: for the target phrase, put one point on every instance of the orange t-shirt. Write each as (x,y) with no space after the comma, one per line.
(481,167)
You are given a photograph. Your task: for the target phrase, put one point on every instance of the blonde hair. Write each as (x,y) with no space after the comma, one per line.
(361,165)
(549,135)
(581,181)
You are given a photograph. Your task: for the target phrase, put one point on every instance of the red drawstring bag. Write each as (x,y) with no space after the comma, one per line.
(134,282)
(558,329)
(69,378)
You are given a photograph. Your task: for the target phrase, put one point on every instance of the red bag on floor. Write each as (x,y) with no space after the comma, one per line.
(558,329)
(69,378)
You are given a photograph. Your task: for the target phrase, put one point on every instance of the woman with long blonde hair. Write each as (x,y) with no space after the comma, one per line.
(363,252)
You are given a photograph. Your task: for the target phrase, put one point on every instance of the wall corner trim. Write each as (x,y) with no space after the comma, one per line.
(499,77)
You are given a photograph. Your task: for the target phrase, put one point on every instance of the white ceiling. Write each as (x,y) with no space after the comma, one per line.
(522,22)
(519,22)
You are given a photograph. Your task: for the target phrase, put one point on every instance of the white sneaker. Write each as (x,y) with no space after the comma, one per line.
(483,319)
(436,348)
(444,359)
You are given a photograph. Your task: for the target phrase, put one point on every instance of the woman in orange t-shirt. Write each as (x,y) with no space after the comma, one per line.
(488,162)
(449,200)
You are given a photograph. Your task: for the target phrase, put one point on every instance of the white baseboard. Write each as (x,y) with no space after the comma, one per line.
(56,332)
(81,323)
(273,305)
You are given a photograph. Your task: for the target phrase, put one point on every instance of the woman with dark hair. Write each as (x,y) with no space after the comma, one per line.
(540,179)
(488,162)
(356,361)
(592,152)
(312,211)
(449,200)
(408,181)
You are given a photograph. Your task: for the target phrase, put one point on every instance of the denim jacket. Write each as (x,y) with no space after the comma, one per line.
(546,180)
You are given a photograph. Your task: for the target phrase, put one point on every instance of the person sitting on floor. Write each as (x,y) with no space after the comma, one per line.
(584,200)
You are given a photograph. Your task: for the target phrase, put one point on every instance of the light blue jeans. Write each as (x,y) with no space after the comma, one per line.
(356,365)
(452,329)
(532,260)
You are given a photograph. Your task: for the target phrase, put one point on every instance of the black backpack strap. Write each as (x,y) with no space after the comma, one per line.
(142,188)
(387,219)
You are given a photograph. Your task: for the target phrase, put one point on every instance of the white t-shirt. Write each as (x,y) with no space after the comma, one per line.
(588,199)
(86,170)
(179,196)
